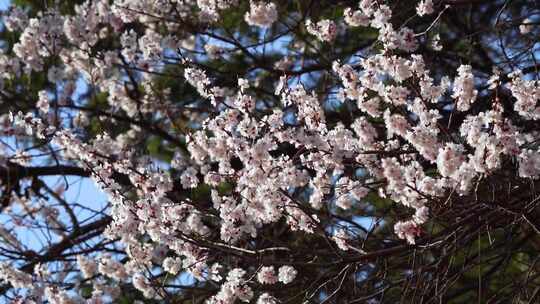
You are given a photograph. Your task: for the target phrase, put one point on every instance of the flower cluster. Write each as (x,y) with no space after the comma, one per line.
(244,164)
(261,14)
(324,30)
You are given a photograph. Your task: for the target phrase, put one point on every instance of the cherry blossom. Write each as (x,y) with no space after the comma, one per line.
(243,146)
(261,14)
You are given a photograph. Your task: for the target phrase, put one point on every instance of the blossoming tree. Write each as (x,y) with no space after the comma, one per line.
(276,151)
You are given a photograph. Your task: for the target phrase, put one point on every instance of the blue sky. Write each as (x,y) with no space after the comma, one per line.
(4,4)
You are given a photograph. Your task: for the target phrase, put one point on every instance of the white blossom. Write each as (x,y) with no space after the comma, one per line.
(261,14)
